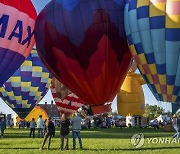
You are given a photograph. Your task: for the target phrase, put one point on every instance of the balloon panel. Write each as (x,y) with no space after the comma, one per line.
(83,44)
(22,112)
(60,90)
(17,20)
(152,29)
(100,109)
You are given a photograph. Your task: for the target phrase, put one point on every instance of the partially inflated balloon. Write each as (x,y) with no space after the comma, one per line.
(27,86)
(66,101)
(17,20)
(83,44)
(130,99)
(153,32)
(35,113)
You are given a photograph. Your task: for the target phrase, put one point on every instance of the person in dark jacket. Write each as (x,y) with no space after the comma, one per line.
(3,127)
(65,123)
(49,132)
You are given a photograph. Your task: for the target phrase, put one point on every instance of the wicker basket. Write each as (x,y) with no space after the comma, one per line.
(167,128)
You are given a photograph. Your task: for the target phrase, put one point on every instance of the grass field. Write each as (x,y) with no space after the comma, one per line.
(110,141)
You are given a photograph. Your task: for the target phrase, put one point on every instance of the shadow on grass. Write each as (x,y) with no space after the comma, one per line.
(16,148)
(116,149)
(112,133)
(133,149)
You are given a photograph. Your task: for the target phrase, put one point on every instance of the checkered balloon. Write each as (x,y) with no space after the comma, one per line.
(153,32)
(27,86)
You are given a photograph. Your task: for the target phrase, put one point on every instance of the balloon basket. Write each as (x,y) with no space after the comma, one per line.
(167,128)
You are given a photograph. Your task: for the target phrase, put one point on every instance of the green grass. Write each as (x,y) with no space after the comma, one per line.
(109,141)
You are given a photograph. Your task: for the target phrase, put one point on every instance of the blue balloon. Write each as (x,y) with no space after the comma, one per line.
(153,33)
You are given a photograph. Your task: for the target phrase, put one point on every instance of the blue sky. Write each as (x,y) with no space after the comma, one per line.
(149,98)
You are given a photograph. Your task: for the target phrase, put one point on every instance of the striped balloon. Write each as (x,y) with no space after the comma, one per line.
(153,32)
(69,103)
(28,85)
(17,20)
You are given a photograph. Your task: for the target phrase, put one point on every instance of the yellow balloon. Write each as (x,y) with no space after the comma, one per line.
(35,113)
(130,99)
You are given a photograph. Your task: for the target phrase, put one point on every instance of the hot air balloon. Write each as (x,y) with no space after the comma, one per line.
(153,28)
(35,113)
(130,99)
(175,107)
(66,101)
(83,44)
(27,86)
(17,21)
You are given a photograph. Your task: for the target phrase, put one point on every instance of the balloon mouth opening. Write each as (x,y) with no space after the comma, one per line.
(23,112)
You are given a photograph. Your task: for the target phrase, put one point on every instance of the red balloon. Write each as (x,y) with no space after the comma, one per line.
(84,45)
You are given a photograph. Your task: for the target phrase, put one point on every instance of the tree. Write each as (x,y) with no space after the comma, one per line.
(168,113)
(153,111)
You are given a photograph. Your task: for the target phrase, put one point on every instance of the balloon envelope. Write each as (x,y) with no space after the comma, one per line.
(83,44)
(130,99)
(17,20)
(27,86)
(153,28)
(66,101)
(35,113)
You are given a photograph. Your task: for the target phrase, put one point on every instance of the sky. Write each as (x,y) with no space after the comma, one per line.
(149,98)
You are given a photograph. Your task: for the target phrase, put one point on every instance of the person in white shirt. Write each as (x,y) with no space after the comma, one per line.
(40,126)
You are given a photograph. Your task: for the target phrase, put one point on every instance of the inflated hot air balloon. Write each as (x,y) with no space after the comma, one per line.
(17,21)
(130,99)
(153,32)
(27,86)
(83,44)
(35,113)
(66,101)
